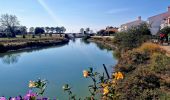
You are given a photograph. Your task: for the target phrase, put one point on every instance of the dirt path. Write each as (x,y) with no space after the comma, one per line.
(167,48)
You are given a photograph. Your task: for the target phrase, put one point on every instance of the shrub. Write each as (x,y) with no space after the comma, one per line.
(126,40)
(150,48)
(165,30)
(141,83)
(159,62)
(133,37)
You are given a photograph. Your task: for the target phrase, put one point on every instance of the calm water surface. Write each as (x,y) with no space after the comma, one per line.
(59,65)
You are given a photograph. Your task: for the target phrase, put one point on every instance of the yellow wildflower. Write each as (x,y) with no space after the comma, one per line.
(118,75)
(105,90)
(32,84)
(113,81)
(103,85)
(85,73)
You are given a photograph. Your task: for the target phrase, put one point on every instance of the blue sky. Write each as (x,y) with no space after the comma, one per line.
(75,14)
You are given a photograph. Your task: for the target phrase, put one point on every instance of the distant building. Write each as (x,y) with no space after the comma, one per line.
(111,29)
(128,25)
(108,31)
(158,21)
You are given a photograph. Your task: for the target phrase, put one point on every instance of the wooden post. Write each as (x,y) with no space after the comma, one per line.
(106,71)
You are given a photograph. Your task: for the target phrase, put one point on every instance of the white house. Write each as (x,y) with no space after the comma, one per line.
(165,22)
(128,25)
(158,21)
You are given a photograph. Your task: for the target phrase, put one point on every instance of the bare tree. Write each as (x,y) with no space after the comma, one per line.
(9,22)
(31,30)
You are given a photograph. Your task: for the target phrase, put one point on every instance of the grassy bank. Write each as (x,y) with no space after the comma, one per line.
(105,41)
(146,68)
(12,44)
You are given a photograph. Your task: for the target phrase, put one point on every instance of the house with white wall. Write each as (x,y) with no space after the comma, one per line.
(165,22)
(126,26)
(158,21)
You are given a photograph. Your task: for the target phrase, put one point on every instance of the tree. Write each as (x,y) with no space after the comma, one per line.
(101,32)
(9,22)
(141,29)
(87,30)
(52,29)
(165,30)
(23,29)
(39,30)
(57,29)
(47,29)
(31,30)
(133,37)
(63,29)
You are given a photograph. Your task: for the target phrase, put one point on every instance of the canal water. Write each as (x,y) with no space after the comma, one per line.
(59,65)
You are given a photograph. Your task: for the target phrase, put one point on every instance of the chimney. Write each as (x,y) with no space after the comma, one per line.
(169,9)
(139,18)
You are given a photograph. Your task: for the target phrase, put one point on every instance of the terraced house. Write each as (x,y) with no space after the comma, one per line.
(159,21)
(128,25)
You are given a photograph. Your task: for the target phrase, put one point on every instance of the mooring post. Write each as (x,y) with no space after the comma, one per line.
(106,71)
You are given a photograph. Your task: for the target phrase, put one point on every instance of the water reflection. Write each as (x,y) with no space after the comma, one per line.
(13,57)
(74,40)
(10,58)
(85,41)
(103,47)
(59,65)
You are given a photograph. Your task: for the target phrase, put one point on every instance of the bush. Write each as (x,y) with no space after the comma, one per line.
(165,30)
(150,48)
(132,60)
(159,62)
(139,85)
(133,37)
(126,40)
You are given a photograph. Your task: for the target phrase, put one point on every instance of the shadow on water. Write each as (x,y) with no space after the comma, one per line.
(13,56)
(85,41)
(100,46)
(103,47)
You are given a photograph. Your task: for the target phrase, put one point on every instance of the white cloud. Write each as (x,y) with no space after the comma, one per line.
(115,11)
